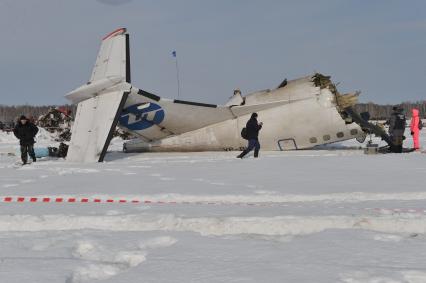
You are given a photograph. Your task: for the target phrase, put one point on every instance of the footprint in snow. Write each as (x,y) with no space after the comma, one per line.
(70,171)
(261,192)
(387,238)
(113,170)
(139,166)
(9,185)
(217,183)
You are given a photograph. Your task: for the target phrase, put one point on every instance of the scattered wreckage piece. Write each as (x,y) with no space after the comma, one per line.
(60,151)
(57,120)
(50,151)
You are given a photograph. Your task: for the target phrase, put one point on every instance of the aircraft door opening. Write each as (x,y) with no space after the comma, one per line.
(287,144)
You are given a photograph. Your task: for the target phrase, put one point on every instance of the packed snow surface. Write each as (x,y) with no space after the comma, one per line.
(327,215)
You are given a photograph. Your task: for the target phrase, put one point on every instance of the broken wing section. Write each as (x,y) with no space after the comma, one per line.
(95,121)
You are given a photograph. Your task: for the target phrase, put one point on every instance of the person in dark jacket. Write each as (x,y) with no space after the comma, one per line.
(253,128)
(25,131)
(397,123)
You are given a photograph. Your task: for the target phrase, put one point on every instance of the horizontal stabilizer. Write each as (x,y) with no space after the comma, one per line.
(92,89)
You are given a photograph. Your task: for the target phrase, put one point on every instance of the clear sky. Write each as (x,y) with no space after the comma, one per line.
(48,47)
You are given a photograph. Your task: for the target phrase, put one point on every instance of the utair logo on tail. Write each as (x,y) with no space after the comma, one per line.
(141,116)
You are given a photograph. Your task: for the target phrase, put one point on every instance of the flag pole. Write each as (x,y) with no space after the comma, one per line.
(177,73)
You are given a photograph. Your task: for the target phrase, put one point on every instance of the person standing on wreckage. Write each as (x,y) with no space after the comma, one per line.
(397,123)
(25,131)
(253,128)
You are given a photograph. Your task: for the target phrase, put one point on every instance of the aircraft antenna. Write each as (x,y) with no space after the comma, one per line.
(174,54)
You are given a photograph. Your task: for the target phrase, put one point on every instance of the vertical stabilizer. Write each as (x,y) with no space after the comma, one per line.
(101,100)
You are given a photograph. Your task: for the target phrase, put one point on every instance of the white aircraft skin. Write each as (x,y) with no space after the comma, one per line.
(299,114)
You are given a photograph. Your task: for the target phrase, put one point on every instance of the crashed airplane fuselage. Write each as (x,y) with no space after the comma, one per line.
(295,116)
(299,114)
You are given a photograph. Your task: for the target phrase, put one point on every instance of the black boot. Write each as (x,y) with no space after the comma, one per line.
(256,153)
(242,154)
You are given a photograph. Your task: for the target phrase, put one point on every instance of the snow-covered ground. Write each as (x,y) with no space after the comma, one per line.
(326,215)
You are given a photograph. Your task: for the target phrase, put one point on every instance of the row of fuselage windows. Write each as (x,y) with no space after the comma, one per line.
(340,135)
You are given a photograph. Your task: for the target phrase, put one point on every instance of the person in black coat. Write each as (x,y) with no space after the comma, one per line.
(25,131)
(397,123)
(253,128)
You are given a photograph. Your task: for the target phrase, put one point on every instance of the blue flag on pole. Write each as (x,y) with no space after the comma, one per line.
(174,53)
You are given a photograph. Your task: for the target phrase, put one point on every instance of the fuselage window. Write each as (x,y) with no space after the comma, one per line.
(340,134)
(326,137)
(354,132)
(313,140)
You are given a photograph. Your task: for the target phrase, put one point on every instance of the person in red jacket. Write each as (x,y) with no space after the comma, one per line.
(415,128)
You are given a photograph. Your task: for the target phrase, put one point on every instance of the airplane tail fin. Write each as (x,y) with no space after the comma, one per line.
(101,100)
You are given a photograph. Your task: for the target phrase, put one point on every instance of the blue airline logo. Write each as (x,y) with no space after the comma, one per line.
(141,116)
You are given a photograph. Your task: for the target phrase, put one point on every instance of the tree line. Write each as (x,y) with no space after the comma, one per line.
(10,114)
(383,112)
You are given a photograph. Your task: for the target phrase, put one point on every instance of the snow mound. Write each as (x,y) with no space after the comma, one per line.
(218,226)
(7,137)
(103,263)
(412,276)
(9,143)
(365,277)
(159,242)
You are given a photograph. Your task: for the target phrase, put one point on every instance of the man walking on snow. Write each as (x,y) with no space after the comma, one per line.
(253,128)
(25,131)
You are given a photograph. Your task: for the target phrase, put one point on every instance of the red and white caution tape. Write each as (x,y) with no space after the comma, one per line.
(26,199)
(59,199)
(66,200)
